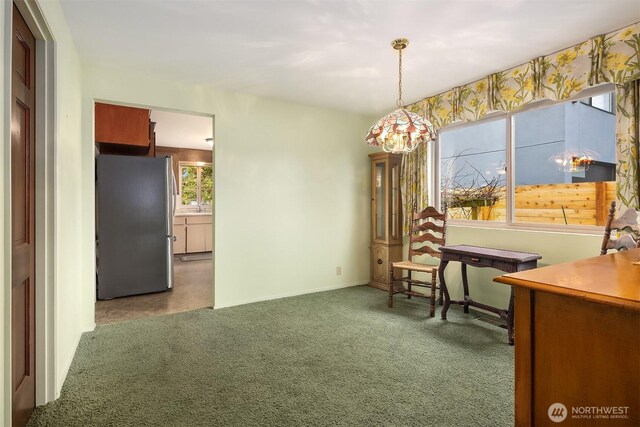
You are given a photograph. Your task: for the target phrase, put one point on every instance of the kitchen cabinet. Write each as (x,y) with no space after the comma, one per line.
(180,234)
(197,235)
(196,241)
(152,139)
(122,130)
(208,238)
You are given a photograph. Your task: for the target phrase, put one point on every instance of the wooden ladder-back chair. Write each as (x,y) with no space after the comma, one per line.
(428,228)
(627,222)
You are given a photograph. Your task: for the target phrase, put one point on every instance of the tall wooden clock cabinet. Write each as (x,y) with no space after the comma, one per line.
(386,216)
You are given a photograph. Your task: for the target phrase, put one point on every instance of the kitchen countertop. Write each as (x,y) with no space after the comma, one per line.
(193,213)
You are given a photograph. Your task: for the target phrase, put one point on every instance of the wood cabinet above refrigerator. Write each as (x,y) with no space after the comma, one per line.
(122,130)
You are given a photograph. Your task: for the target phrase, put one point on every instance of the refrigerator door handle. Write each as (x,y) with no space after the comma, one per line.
(169,195)
(170,200)
(175,192)
(170,261)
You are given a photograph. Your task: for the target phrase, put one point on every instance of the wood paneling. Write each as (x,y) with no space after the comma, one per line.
(184,155)
(23,221)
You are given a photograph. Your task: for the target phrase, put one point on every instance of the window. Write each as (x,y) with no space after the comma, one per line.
(196,183)
(605,102)
(565,162)
(557,162)
(472,170)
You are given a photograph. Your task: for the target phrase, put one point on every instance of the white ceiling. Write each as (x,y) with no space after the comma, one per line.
(182,130)
(329,52)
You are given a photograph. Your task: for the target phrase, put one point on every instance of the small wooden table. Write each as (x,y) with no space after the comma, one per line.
(477,256)
(578,342)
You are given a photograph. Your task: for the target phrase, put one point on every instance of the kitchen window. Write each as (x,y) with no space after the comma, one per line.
(196,184)
(554,164)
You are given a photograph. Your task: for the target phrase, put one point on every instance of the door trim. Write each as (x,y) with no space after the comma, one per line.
(45,201)
(88,133)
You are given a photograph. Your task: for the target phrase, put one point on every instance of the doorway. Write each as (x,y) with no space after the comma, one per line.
(185,140)
(23,245)
(37,358)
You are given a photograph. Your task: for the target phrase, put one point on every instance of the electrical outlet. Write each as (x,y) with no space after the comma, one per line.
(338,271)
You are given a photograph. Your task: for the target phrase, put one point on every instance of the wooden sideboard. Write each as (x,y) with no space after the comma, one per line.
(577,342)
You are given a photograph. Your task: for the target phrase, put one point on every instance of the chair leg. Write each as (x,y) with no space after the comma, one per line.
(391,280)
(432,302)
(409,284)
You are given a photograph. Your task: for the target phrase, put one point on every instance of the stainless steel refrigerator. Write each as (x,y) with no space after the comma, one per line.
(135,199)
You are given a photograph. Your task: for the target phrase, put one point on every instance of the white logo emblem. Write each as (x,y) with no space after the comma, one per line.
(557,412)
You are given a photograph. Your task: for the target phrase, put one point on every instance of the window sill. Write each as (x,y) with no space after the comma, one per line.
(588,230)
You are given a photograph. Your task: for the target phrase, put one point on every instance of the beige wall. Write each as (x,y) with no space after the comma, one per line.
(72,317)
(291,186)
(286,175)
(555,248)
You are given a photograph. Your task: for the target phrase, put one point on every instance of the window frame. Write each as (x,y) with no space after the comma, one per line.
(509,223)
(612,100)
(199,166)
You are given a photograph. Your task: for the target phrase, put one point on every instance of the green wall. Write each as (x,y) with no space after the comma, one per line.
(554,247)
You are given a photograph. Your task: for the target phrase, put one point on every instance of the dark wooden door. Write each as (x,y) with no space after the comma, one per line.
(22,223)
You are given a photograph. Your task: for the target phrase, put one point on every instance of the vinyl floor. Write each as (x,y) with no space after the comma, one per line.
(192,289)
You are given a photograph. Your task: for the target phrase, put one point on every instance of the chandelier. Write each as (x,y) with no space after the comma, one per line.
(574,161)
(400,131)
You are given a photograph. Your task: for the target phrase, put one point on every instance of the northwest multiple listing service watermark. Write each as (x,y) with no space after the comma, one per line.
(557,412)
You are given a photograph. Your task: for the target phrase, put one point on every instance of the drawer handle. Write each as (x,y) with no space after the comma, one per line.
(379,261)
(475,259)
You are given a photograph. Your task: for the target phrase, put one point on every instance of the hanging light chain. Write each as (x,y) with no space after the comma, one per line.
(400,131)
(400,103)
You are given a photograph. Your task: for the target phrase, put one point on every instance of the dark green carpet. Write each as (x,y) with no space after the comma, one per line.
(331,358)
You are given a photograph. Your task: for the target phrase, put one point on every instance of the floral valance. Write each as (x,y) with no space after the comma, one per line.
(608,58)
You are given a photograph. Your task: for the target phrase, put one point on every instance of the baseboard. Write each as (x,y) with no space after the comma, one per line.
(61,379)
(293,294)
